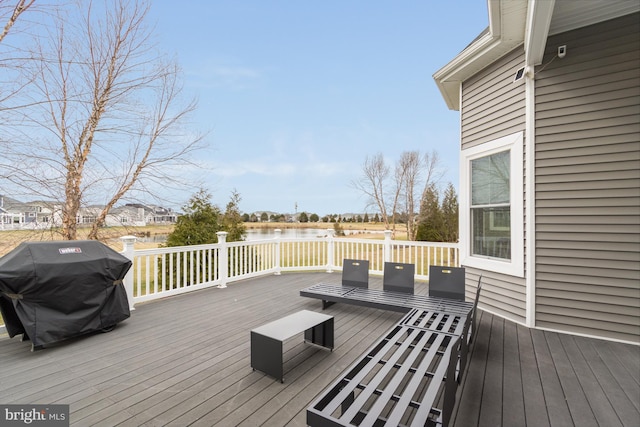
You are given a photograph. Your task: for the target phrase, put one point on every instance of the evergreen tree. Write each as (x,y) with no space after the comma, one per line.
(366,218)
(232,220)
(430,221)
(202,220)
(198,225)
(450,214)
(303,217)
(314,217)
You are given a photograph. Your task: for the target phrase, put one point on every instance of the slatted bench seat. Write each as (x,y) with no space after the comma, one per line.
(409,377)
(382,299)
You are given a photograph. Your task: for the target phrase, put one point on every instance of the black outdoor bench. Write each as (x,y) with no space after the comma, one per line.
(409,377)
(398,289)
(385,300)
(397,284)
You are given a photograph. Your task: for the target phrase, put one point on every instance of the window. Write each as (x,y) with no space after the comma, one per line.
(492,203)
(490,207)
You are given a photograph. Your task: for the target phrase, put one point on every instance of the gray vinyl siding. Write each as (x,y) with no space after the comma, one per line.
(501,294)
(588,182)
(493,106)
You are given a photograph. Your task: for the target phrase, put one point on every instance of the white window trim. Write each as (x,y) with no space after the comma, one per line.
(514,266)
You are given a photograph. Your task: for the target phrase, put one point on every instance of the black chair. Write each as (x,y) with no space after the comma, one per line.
(398,277)
(355,273)
(468,334)
(446,282)
(474,312)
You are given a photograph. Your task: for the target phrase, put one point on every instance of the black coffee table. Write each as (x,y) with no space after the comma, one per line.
(267,340)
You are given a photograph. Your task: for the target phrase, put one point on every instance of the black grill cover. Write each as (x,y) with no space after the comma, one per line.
(50,291)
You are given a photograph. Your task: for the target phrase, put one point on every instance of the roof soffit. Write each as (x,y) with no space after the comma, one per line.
(507,21)
(513,22)
(570,14)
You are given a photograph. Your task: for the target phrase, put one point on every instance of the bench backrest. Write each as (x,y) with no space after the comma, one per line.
(446,282)
(398,277)
(355,272)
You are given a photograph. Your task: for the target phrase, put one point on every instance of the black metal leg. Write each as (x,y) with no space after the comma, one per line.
(266,355)
(321,334)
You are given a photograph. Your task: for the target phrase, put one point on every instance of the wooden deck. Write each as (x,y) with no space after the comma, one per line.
(185,361)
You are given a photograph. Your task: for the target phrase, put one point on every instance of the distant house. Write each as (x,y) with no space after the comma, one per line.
(10,212)
(131,214)
(15,214)
(152,214)
(549,101)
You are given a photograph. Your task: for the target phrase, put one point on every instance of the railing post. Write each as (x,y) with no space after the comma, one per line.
(128,243)
(278,235)
(223,259)
(387,245)
(330,249)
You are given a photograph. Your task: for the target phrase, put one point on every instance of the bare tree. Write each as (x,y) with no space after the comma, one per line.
(372,183)
(409,169)
(432,169)
(10,11)
(13,56)
(413,174)
(106,114)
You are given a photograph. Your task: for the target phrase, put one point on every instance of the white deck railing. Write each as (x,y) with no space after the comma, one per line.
(157,273)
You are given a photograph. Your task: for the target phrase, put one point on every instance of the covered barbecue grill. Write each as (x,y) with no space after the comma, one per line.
(51,291)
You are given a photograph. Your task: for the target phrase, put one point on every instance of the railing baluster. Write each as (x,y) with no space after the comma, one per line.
(165,271)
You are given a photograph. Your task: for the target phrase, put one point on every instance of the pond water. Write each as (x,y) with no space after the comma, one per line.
(267,233)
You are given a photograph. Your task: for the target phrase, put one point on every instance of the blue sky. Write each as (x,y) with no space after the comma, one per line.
(294,95)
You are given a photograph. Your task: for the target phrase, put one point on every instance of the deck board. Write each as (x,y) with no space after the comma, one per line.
(535,412)
(184,360)
(494,377)
(513,413)
(555,399)
(594,394)
(579,407)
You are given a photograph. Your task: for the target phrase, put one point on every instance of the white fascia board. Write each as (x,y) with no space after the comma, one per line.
(449,77)
(539,14)
(503,36)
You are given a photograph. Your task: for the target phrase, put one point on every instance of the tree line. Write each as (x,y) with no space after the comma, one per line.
(408,193)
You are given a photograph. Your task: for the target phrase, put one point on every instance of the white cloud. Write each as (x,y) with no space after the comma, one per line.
(211,75)
(256,167)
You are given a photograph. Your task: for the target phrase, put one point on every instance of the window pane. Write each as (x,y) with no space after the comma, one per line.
(490,179)
(491,232)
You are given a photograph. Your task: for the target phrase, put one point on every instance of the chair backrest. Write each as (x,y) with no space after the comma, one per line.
(446,282)
(355,272)
(398,277)
(474,312)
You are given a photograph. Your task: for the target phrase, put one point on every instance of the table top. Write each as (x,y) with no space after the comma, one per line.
(291,325)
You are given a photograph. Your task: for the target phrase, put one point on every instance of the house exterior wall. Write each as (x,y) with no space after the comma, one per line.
(493,106)
(587,195)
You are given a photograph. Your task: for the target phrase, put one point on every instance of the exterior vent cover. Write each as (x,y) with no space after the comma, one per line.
(519,75)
